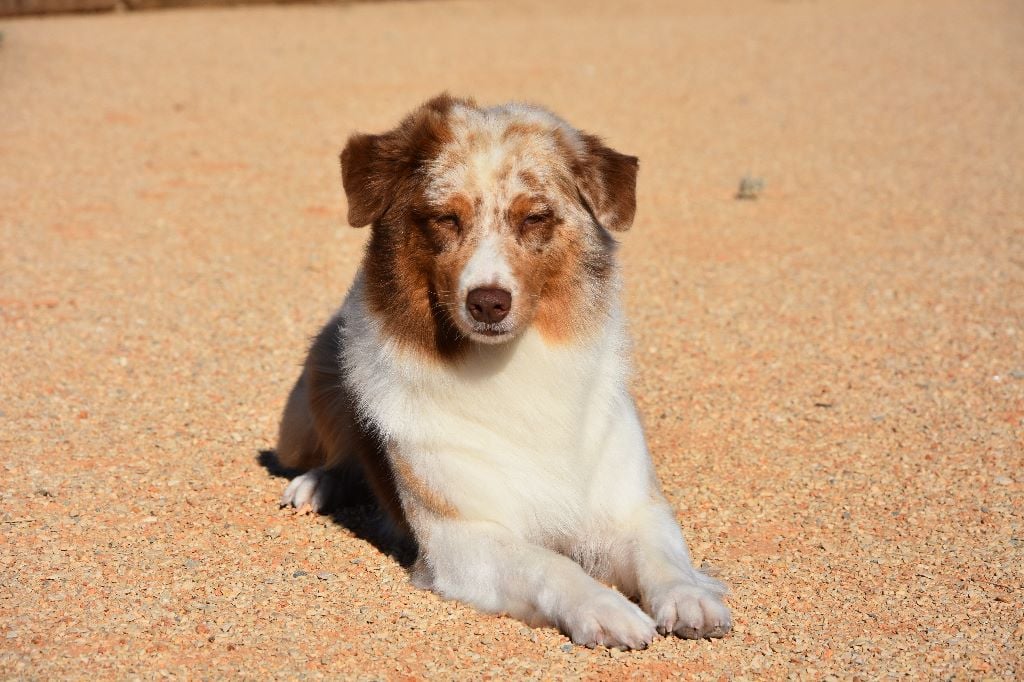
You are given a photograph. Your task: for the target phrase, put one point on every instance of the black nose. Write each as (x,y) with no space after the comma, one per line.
(489,305)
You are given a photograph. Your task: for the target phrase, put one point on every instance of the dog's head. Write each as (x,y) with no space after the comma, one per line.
(486,221)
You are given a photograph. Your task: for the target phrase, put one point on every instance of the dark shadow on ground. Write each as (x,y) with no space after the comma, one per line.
(353,507)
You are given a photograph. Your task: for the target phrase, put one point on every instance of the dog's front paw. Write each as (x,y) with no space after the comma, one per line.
(313,488)
(608,618)
(690,611)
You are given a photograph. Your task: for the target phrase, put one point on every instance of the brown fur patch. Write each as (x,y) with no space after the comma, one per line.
(384,183)
(571,301)
(430,499)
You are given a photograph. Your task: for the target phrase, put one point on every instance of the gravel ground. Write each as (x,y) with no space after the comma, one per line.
(832,374)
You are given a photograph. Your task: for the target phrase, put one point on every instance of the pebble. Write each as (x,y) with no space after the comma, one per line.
(324,575)
(750,187)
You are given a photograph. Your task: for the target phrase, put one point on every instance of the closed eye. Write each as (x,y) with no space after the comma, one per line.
(449,221)
(536,219)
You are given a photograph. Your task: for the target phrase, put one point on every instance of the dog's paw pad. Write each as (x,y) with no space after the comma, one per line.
(610,619)
(690,612)
(312,488)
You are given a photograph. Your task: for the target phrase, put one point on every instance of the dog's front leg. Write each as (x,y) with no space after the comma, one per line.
(651,556)
(484,564)
(680,598)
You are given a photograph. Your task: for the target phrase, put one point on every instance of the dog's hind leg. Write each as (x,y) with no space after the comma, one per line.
(297,442)
(318,432)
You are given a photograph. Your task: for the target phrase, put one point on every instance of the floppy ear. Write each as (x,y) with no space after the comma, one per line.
(375,168)
(606,180)
(367,180)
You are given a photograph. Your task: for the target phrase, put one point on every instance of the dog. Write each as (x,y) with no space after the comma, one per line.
(476,378)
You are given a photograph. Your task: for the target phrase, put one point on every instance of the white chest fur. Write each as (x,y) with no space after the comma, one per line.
(525,433)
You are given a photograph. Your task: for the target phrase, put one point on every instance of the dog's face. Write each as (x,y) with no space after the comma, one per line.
(488,221)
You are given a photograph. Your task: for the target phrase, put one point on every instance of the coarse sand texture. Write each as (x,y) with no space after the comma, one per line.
(825,284)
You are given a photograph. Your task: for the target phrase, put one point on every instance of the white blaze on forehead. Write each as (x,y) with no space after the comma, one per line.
(483,160)
(487,267)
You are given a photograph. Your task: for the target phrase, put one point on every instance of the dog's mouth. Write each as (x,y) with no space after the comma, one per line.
(490,333)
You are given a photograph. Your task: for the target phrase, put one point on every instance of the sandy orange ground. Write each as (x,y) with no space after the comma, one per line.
(832,375)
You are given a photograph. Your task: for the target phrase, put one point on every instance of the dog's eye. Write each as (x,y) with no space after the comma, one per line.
(535,219)
(450,222)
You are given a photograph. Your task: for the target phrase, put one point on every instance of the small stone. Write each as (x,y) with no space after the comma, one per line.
(1017,374)
(567,648)
(274,532)
(324,575)
(299,574)
(750,188)
(1003,480)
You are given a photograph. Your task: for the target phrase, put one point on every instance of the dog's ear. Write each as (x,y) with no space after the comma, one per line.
(606,181)
(375,169)
(366,179)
